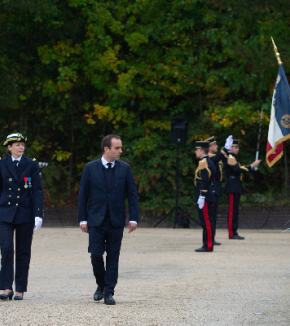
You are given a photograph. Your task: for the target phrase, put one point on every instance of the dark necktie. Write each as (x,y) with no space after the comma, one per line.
(15,163)
(109,165)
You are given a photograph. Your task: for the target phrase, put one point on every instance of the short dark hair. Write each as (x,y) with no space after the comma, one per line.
(107,141)
(206,150)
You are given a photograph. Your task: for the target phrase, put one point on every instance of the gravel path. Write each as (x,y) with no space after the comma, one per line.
(162,281)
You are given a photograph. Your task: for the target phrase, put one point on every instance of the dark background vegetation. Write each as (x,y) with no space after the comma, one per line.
(72,71)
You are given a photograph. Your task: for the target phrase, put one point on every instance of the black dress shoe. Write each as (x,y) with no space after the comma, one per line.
(99,294)
(7,296)
(237,237)
(203,249)
(18,297)
(216,243)
(109,299)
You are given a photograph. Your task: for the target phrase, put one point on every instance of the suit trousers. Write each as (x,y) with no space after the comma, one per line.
(233,217)
(24,233)
(214,213)
(207,223)
(105,238)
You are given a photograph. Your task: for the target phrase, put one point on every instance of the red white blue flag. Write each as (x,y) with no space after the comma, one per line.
(279,128)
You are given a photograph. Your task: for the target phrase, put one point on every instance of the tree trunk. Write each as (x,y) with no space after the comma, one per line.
(71,159)
(286,166)
(200,111)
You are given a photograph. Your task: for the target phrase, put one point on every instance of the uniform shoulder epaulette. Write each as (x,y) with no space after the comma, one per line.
(34,159)
(0,158)
(232,160)
(225,154)
(211,155)
(202,164)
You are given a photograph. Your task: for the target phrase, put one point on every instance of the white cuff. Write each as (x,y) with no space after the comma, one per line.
(83,222)
(133,222)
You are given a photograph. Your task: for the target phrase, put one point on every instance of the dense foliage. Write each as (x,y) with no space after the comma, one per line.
(73,71)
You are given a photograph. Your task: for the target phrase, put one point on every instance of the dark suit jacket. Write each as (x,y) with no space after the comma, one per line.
(94,197)
(17,204)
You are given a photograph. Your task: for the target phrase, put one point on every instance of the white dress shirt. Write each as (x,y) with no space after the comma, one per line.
(18,159)
(105,164)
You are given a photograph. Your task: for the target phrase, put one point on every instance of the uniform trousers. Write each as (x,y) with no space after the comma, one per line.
(214,213)
(207,223)
(105,238)
(233,217)
(24,233)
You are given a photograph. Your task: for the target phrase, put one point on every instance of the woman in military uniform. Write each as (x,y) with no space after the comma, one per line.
(21,208)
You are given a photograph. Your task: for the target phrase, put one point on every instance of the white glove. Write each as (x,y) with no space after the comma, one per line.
(229,142)
(38,222)
(200,202)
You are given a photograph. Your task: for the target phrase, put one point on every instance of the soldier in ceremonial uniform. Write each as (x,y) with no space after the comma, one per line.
(21,207)
(218,159)
(204,194)
(233,187)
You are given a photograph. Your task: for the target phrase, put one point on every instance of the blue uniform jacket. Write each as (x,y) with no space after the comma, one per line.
(17,204)
(94,197)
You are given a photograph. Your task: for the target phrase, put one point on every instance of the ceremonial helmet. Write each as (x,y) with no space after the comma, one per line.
(13,138)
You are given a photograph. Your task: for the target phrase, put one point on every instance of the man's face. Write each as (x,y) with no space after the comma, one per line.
(199,153)
(213,148)
(113,153)
(235,149)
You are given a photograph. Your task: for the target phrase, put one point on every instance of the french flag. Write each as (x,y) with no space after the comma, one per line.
(279,127)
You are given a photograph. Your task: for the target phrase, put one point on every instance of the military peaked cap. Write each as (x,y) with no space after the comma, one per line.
(236,142)
(211,140)
(202,144)
(13,138)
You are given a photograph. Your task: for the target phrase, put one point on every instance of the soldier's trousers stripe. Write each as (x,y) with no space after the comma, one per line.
(231,212)
(208,227)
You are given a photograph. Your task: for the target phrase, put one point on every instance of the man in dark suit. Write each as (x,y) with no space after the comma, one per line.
(101,212)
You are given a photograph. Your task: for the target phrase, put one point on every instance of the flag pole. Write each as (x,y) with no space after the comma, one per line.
(284,147)
(276,52)
(259,138)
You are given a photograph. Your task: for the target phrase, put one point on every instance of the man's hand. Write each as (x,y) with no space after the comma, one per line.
(132,227)
(84,228)
(256,163)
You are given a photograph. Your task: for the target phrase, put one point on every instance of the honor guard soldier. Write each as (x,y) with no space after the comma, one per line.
(21,207)
(233,187)
(218,160)
(204,194)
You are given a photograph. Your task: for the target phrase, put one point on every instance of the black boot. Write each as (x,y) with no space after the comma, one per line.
(237,237)
(99,294)
(109,299)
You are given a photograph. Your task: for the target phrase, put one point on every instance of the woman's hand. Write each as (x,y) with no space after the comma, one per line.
(38,223)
